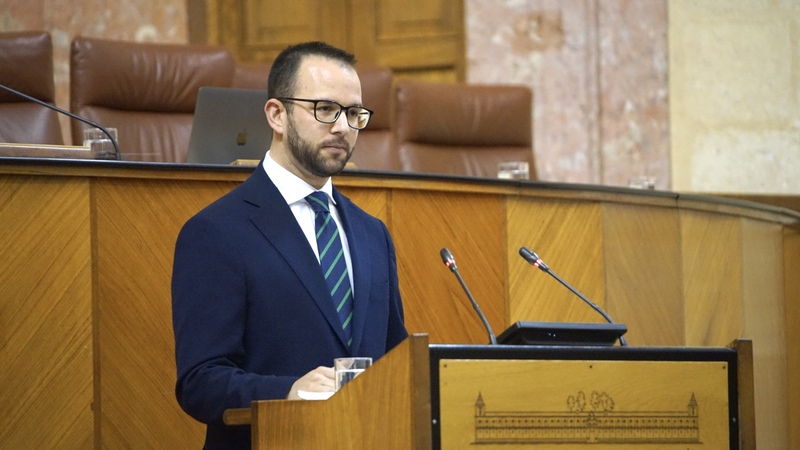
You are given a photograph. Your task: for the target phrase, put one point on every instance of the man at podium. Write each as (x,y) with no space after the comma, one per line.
(283,274)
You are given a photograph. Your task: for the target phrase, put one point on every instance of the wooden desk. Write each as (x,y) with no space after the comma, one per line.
(456,396)
(44,151)
(87,344)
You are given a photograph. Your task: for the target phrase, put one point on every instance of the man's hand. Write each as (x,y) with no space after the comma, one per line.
(318,380)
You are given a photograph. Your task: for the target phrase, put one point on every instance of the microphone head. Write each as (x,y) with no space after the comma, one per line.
(529,256)
(447,259)
(533,258)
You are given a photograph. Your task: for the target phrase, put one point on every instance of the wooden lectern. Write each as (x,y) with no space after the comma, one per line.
(387,407)
(422,396)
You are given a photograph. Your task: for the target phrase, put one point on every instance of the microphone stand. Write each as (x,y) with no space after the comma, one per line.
(450,262)
(535,261)
(117,154)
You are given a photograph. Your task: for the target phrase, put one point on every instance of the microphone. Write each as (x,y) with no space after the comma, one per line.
(450,262)
(537,262)
(67,113)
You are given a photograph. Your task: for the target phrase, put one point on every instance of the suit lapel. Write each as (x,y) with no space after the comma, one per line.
(274,219)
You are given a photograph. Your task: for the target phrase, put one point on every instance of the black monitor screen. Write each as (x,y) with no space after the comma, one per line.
(562,333)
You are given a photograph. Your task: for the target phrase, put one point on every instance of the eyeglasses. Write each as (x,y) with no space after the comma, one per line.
(327,111)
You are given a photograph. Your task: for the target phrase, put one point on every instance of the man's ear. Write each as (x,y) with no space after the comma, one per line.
(276,115)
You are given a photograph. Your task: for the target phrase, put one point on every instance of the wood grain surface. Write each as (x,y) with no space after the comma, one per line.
(46,346)
(86,340)
(350,417)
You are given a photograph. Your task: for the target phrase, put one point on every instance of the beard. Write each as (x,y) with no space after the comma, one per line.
(310,157)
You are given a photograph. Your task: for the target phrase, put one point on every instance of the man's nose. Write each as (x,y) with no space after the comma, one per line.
(340,125)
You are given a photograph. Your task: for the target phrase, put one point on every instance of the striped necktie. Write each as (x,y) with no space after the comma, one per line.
(332,261)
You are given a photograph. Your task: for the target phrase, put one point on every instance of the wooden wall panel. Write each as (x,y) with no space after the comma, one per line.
(642,253)
(471,227)
(137,224)
(374,201)
(710,252)
(257,30)
(67,299)
(765,319)
(426,19)
(420,39)
(567,236)
(791,281)
(268,23)
(46,350)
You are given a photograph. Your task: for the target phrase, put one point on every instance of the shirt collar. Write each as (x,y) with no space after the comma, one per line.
(292,188)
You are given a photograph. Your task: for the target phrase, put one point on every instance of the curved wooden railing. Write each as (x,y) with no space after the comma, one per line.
(87,249)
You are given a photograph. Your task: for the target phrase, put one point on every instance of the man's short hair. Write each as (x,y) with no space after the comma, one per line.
(283,74)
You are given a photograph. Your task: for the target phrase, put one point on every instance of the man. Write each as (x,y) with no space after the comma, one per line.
(253,314)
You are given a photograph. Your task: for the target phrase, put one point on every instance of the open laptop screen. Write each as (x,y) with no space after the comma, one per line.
(229,124)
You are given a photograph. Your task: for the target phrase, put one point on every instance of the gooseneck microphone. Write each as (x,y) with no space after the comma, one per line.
(450,262)
(537,262)
(117,154)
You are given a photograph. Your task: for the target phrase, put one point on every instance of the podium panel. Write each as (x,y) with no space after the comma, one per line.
(570,398)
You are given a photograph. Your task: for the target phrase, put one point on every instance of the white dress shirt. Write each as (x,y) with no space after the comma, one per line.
(294,190)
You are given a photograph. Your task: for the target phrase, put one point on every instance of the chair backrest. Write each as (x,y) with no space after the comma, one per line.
(251,75)
(147,91)
(26,65)
(375,148)
(463,129)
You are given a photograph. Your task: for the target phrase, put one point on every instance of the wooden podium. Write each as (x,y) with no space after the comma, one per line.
(422,396)
(387,407)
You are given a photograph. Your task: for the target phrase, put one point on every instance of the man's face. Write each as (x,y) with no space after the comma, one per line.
(311,156)
(319,150)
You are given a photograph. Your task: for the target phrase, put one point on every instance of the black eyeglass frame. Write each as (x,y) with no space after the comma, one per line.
(338,113)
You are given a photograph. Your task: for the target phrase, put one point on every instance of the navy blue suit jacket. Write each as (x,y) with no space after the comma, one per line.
(251,312)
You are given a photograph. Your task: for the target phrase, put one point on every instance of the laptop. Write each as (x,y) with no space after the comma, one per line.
(229,125)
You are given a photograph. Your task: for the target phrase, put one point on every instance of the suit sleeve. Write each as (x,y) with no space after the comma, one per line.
(396,332)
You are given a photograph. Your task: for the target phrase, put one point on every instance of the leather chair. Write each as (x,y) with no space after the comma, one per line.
(26,65)
(463,129)
(375,148)
(147,91)
(251,75)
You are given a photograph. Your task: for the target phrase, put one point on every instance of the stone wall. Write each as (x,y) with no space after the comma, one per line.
(735,106)
(598,70)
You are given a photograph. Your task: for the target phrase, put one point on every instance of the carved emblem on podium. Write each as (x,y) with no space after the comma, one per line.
(591,419)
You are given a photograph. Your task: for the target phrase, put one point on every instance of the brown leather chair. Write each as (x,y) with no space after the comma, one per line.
(251,75)
(26,65)
(375,148)
(463,129)
(147,91)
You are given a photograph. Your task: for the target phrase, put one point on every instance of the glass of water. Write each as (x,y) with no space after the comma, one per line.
(346,369)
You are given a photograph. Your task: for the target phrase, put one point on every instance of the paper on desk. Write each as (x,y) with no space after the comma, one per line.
(307,395)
